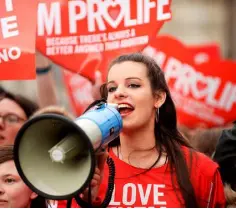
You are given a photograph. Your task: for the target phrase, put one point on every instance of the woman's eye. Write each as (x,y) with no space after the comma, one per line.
(111,89)
(132,85)
(10,180)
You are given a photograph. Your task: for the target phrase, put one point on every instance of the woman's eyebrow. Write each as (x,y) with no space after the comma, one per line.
(129,78)
(7,175)
(110,82)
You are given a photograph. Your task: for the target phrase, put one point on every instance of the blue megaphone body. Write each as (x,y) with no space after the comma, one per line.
(106,122)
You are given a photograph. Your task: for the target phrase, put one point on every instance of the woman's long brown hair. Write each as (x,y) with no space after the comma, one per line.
(166,132)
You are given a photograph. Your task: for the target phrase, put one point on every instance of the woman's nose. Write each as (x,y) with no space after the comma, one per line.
(120,92)
(2,191)
(1,123)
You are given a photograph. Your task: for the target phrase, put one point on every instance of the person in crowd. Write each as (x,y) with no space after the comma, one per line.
(189,133)
(205,140)
(54,109)
(14,111)
(225,156)
(13,191)
(155,166)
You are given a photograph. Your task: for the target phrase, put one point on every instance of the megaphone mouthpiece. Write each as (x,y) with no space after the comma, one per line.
(66,149)
(113,105)
(57,155)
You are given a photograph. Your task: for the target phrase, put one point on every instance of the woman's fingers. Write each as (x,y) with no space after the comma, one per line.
(101,159)
(96,178)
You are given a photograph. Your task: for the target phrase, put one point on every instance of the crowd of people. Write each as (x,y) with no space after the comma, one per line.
(158,163)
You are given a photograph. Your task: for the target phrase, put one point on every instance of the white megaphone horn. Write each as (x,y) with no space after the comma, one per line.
(56,156)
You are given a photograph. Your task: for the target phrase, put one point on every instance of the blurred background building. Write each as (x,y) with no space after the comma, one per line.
(193,22)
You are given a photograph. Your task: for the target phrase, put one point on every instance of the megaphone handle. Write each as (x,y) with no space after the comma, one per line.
(111,182)
(68,204)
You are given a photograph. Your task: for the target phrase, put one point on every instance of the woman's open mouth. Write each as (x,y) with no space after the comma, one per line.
(125,109)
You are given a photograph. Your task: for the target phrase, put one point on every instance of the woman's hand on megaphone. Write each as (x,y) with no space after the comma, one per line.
(97,177)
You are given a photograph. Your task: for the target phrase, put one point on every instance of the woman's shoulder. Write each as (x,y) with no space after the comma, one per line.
(200,163)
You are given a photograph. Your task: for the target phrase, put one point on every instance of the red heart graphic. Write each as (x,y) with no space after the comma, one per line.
(204,94)
(205,53)
(91,28)
(201,84)
(114,11)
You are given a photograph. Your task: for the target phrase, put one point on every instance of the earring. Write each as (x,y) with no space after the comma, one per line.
(157,115)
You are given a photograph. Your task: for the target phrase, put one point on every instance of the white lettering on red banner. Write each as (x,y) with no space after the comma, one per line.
(9,29)
(98,16)
(49,21)
(207,92)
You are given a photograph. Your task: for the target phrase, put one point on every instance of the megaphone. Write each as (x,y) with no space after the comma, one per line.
(55,156)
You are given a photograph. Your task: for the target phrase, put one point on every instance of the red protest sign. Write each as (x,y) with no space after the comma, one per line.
(205,95)
(80,35)
(79,91)
(205,53)
(17,39)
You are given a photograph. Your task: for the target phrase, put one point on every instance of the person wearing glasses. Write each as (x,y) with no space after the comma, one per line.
(14,111)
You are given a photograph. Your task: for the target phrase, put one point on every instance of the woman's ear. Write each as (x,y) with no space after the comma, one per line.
(160,99)
(33,196)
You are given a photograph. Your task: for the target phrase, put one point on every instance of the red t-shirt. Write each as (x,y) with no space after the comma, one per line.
(154,188)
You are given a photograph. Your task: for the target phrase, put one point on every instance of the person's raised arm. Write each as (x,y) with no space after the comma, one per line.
(45,82)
